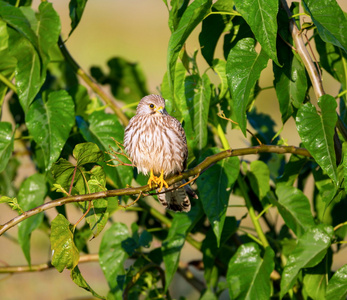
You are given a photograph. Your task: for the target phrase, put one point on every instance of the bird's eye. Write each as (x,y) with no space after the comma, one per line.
(151,105)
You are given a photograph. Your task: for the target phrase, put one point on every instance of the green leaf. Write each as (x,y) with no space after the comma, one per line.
(316,131)
(76,8)
(193,101)
(63,171)
(101,129)
(333,59)
(85,153)
(219,66)
(290,82)
(31,194)
(7,69)
(83,104)
(191,17)
(212,28)
(214,187)
(14,17)
(176,12)
(239,30)
(316,280)
(322,13)
(292,170)
(311,248)
(7,178)
(6,144)
(261,16)
(209,295)
(259,177)
(98,215)
(3,36)
(112,254)
(31,46)
(49,122)
(248,275)
(337,287)
(77,278)
(244,66)
(48,30)
(13,203)
(294,208)
(28,70)
(64,251)
(182,223)
(212,253)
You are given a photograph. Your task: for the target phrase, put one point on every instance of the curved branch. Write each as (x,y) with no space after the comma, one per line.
(305,56)
(208,162)
(90,82)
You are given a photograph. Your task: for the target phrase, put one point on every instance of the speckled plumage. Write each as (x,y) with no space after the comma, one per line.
(156,141)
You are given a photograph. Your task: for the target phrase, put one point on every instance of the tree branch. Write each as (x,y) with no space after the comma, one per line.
(303,53)
(209,161)
(44,266)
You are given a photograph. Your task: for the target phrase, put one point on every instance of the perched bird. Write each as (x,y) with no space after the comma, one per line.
(156,143)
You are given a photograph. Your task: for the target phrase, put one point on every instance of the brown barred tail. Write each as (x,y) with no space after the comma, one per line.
(176,200)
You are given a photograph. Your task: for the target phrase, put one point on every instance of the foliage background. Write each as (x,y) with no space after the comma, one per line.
(111,28)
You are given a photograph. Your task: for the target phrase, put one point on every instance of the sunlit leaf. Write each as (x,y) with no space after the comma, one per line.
(98,215)
(12,202)
(311,248)
(31,194)
(295,209)
(248,274)
(64,251)
(261,16)
(337,287)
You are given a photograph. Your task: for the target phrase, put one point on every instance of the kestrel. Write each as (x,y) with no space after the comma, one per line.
(156,143)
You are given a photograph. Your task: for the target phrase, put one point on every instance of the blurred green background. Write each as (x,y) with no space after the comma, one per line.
(136,30)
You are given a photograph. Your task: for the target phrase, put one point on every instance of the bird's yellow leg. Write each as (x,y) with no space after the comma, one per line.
(161,181)
(152,178)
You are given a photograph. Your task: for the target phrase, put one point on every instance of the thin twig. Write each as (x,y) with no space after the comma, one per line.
(132,203)
(222,115)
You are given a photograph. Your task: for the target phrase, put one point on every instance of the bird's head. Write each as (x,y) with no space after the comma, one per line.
(151,105)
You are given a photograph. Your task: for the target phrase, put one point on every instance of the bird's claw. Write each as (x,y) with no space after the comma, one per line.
(160,181)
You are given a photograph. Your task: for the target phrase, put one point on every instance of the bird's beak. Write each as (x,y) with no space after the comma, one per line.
(160,110)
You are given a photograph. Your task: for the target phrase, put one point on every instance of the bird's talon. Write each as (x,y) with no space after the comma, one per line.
(161,181)
(152,178)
